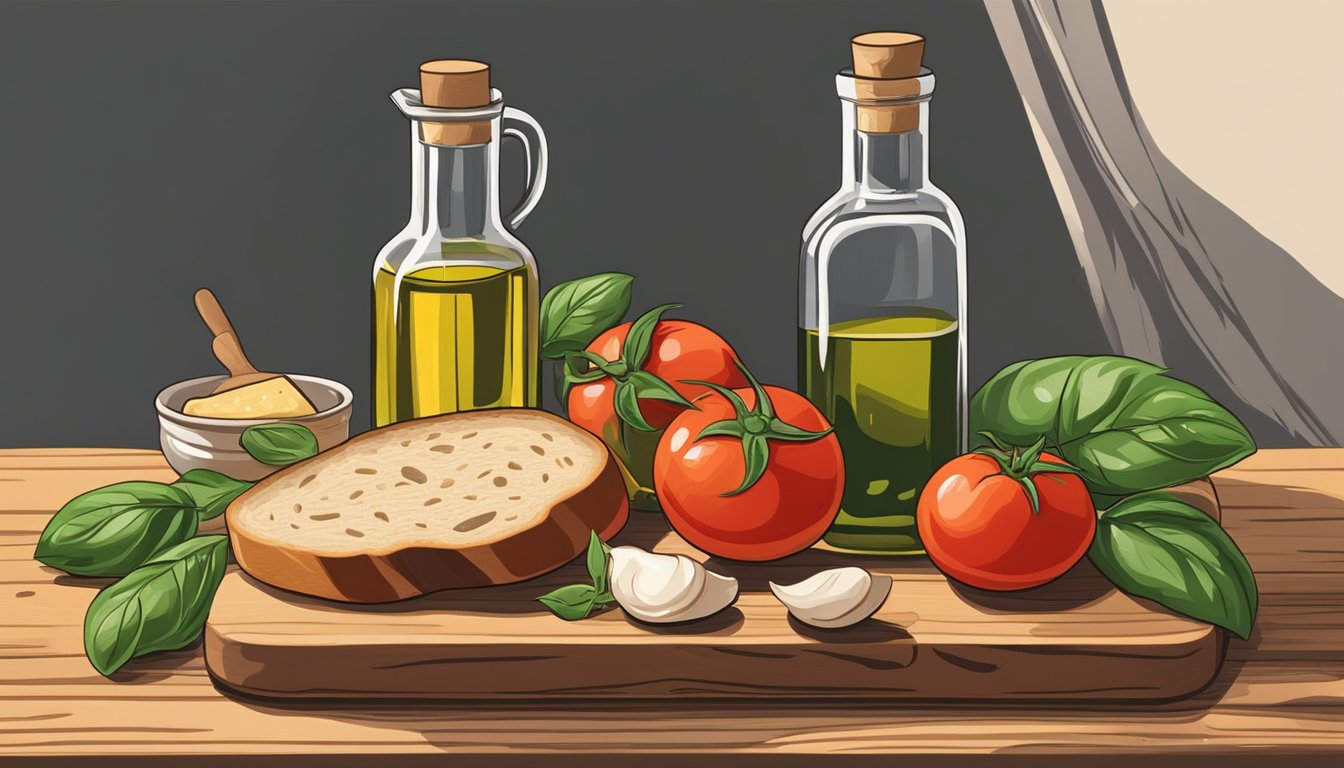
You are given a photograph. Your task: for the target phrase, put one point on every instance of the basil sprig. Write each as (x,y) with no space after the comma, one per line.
(144,531)
(1129,431)
(112,530)
(160,606)
(576,312)
(578,601)
(1124,425)
(1156,546)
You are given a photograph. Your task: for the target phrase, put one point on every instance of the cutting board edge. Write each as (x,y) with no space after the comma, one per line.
(1183,672)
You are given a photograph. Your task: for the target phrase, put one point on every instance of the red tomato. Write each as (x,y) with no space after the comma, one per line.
(785,511)
(678,350)
(978,526)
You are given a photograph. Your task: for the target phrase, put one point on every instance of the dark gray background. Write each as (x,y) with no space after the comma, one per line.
(149,148)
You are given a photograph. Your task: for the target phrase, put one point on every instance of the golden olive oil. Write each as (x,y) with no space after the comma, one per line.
(459,339)
(889,385)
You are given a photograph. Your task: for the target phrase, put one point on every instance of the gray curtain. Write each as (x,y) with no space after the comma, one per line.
(1176,277)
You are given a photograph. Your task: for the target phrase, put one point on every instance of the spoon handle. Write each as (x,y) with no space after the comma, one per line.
(212,313)
(229,352)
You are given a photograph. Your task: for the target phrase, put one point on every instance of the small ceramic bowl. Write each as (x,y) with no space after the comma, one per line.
(196,442)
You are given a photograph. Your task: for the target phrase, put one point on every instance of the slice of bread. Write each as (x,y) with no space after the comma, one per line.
(464,500)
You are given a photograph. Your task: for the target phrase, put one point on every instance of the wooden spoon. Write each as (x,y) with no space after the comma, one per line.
(228,350)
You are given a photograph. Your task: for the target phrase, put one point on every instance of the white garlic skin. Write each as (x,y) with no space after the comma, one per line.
(834,599)
(663,589)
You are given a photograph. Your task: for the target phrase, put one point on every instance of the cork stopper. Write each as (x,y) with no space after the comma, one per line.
(455,84)
(888,62)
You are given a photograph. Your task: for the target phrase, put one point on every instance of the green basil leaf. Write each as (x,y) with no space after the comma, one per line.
(576,312)
(597,562)
(110,531)
(1156,546)
(160,606)
(1121,422)
(210,490)
(279,445)
(639,340)
(570,603)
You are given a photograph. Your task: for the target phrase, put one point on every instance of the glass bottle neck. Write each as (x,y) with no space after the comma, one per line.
(458,191)
(419,158)
(884,164)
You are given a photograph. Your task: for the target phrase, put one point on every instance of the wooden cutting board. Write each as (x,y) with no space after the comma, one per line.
(1074,639)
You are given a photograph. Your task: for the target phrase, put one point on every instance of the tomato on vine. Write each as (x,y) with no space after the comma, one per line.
(752,473)
(634,379)
(1005,518)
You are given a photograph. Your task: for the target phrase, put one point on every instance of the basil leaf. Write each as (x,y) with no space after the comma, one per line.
(210,490)
(576,312)
(570,603)
(279,445)
(1153,545)
(110,531)
(597,562)
(160,606)
(1121,422)
(577,601)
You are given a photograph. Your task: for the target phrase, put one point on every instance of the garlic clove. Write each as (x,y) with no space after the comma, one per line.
(719,593)
(835,598)
(667,588)
(654,585)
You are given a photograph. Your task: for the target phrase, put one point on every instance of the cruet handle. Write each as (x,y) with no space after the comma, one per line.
(520,125)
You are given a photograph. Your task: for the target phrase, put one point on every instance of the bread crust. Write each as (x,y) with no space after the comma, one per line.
(560,534)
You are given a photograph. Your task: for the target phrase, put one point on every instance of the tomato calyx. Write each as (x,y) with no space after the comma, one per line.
(754,427)
(1022,464)
(633,383)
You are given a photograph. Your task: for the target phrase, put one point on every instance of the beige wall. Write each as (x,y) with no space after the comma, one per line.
(1247,98)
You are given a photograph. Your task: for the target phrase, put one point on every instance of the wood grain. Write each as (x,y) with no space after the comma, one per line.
(1076,638)
(1279,695)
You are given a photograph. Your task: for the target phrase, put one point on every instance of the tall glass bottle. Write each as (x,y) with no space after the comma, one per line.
(882,336)
(455,293)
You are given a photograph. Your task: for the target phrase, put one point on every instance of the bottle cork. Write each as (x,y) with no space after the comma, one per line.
(887,64)
(455,84)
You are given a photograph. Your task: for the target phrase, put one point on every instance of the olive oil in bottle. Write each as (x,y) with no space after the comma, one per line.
(455,293)
(882,302)
(889,386)
(457,339)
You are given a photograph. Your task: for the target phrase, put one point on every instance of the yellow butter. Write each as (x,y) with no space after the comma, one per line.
(273,398)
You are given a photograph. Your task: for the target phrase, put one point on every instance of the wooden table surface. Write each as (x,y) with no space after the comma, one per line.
(1279,697)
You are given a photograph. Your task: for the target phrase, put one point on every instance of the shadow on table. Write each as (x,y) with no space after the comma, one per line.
(158,666)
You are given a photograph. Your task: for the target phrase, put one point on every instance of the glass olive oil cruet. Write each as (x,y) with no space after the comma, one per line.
(455,293)
(882,342)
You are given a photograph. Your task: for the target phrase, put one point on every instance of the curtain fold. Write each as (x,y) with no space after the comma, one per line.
(1176,277)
